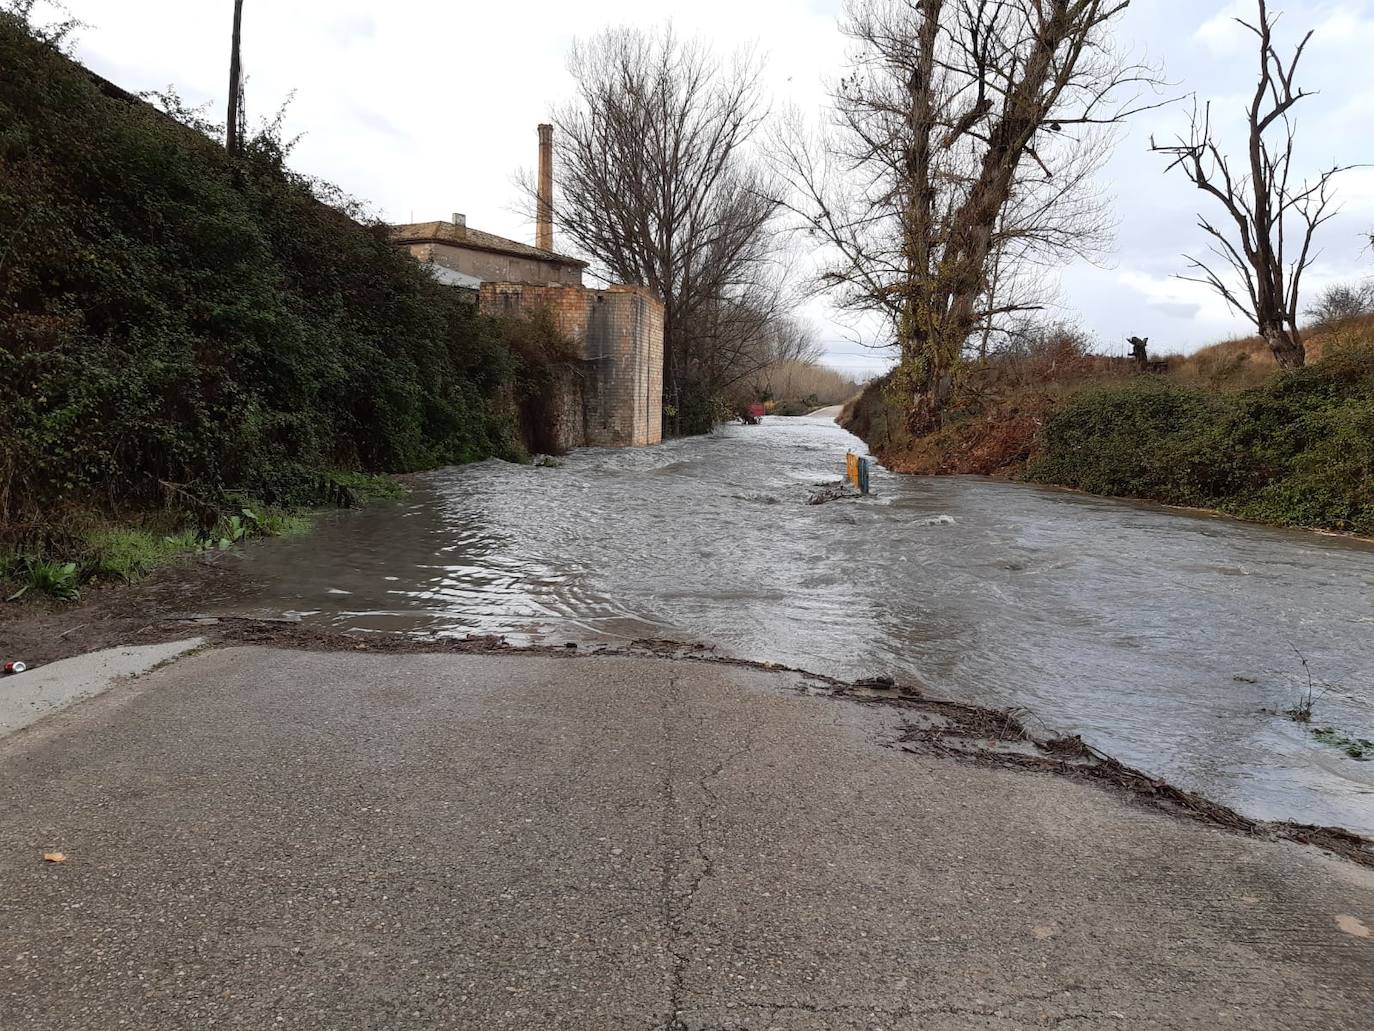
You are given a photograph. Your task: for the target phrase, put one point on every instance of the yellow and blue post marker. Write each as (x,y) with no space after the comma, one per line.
(856,471)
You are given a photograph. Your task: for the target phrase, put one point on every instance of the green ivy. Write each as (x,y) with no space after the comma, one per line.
(175,323)
(1297,452)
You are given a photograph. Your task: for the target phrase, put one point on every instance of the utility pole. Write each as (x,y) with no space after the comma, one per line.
(232,127)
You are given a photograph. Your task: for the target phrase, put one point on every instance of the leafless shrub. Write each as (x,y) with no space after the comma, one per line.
(1341,303)
(1307,696)
(800,381)
(1038,352)
(57,32)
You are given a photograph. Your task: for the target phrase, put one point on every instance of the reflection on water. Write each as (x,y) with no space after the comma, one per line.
(1158,635)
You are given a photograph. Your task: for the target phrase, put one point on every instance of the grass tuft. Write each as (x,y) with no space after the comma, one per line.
(128,553)
(1358,748)
(42,576)
(91,549)
(368,486)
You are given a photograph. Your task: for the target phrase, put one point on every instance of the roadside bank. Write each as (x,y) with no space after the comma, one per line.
(83,550)
(193,336)
(1296,449)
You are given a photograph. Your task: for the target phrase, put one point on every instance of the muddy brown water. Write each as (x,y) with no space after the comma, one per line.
(1165,638)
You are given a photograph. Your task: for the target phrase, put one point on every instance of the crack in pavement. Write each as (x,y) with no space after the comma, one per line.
(1065,756)
(676,906)
(671,861)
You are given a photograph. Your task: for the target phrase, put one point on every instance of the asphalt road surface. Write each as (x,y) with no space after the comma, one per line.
(268,839)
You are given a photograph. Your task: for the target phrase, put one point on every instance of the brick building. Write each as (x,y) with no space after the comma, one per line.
(619,335)
(485,257)
(618,331)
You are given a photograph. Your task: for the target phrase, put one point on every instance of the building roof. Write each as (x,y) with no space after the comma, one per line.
(462,236)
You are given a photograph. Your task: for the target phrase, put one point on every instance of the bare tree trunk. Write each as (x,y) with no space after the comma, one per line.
(994,281)
(232,131)
(1286,345)
(671,388)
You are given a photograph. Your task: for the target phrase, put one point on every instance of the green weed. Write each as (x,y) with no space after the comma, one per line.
(368,486)
(129,553)
(55,579)
(255,521)
(283,524)
(1358,748)
(124,553)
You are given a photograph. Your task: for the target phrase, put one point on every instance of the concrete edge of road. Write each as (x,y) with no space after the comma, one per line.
(937,727)
(26,698)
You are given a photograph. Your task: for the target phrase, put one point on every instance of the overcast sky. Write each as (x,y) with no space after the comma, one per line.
(427,107)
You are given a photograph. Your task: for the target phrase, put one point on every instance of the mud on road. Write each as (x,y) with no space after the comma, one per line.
(40,631)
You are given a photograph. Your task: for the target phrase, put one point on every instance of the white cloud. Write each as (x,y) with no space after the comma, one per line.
(1345,27)
(1193,301)
(1222,34)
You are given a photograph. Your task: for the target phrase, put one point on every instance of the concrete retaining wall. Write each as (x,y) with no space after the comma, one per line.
(619,336)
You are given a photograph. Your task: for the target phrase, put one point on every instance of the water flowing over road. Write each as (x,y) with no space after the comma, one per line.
(1167,639)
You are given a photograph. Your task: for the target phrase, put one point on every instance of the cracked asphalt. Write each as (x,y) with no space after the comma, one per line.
(261,839)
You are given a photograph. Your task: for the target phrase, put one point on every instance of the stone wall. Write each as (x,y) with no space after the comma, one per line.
(619,335)
(500,268)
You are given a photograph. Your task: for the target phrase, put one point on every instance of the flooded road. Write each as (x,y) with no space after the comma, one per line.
(1161,637)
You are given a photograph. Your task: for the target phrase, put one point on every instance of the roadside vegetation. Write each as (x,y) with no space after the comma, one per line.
(1223,429)
(196,344)
(1296,451)
(91,548)
(941,215)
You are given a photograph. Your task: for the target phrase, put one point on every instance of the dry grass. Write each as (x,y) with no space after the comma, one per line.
(1247,361)
(1001,407)
(1230,365)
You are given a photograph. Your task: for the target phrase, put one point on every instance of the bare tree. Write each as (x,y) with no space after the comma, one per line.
(658,186)
(795,340)
(963,146)
(1254,267)
(795,371)
(234,125)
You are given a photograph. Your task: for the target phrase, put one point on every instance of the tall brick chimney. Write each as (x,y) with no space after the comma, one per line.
(543,223)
